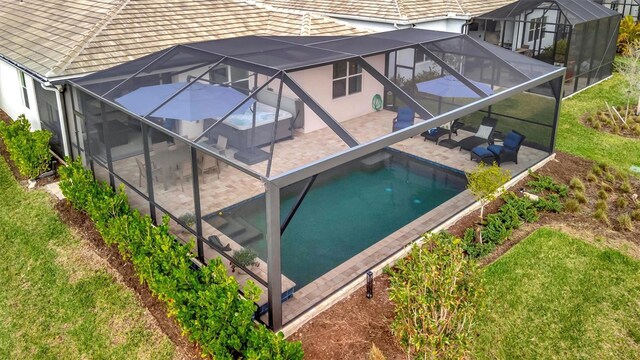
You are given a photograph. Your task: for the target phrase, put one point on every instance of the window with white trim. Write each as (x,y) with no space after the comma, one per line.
(347,79)
(23,84)
(537,28)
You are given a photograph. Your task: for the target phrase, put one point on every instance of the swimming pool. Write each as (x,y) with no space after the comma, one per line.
(346,210)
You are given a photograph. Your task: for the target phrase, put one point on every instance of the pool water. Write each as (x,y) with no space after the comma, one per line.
(349,209)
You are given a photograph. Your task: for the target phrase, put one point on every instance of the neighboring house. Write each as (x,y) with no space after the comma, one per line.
(577,34)
(385,15)
(45,42)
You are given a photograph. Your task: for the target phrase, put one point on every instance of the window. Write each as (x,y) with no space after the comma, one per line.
(537,28)
(347,79)
(23,84)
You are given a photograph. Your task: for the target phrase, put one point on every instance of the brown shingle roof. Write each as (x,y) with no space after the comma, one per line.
(56,37)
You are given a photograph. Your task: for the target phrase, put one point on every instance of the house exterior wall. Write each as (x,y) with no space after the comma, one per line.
(449,24)
(11,95)
(318,83)
(522,37)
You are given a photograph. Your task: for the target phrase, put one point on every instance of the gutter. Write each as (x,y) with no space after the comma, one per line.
(24,69)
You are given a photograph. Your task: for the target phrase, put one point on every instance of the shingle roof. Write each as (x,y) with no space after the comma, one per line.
(67,37)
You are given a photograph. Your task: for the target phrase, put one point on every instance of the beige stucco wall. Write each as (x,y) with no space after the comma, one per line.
(317,82)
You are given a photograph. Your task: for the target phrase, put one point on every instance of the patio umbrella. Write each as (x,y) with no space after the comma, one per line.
(197,102)
(449,86)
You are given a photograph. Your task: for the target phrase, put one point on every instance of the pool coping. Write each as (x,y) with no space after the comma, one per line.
(332,297)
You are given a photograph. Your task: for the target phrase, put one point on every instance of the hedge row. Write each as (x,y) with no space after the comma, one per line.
(206,303)
(516,211)
(29,150)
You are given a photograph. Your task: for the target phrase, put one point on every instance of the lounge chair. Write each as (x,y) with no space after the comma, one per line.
(483,135)
(404,118)
(508,151)
(436,133)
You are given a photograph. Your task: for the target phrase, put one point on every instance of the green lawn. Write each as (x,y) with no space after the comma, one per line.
(577,139)
(557,297)
(56,299)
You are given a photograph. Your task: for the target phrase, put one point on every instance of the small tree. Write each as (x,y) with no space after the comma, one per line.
(484,183)
(630,71)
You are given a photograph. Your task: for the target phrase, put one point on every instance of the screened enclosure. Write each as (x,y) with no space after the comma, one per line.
(299,149)
(624,7)
(580,35)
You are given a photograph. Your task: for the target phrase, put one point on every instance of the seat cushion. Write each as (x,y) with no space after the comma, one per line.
(482,151)
(512,140)
(484,131)
(496,149)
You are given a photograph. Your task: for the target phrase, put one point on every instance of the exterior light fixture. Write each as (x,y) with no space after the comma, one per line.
(369,284)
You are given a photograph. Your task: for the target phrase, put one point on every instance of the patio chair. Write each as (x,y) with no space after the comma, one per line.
(483,135)
(509,149)
(221,145)
(207,163)
(142,172)
(214,242)
(404,118)
(436,133)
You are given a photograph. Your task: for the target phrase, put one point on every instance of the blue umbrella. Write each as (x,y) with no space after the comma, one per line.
(197,102)
(449,86)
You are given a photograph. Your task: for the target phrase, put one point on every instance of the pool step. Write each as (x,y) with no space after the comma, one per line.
(238,229)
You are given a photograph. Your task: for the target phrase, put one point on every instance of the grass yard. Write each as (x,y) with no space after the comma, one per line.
(557,297)
(575,138)
(57,301)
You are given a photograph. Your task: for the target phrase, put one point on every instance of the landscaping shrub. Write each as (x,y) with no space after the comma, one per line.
(624,221)
(635,215)
(29,150)
(602,205)
(625,187)
(602,194)
(543,183)
(205,302)
(576,184)
(580,197)
(550,203)
(591,177)
(622,203)
(601,214)
(499,226)
(572,205)
(436,291)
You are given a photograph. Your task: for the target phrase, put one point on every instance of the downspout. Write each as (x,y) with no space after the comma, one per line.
(465,26)
(59,90)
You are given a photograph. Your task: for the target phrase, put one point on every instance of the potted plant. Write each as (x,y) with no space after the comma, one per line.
(244,257)
(188,218)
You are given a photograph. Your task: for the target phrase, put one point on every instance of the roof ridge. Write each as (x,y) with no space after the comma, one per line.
(460,6)
(87,38)
(400,8)
(305,24)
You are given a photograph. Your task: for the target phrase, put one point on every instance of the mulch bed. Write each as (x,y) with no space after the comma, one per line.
(351,327)
(603,121)
(84,227)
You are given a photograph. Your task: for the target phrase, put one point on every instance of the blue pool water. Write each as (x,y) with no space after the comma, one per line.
(348,210)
